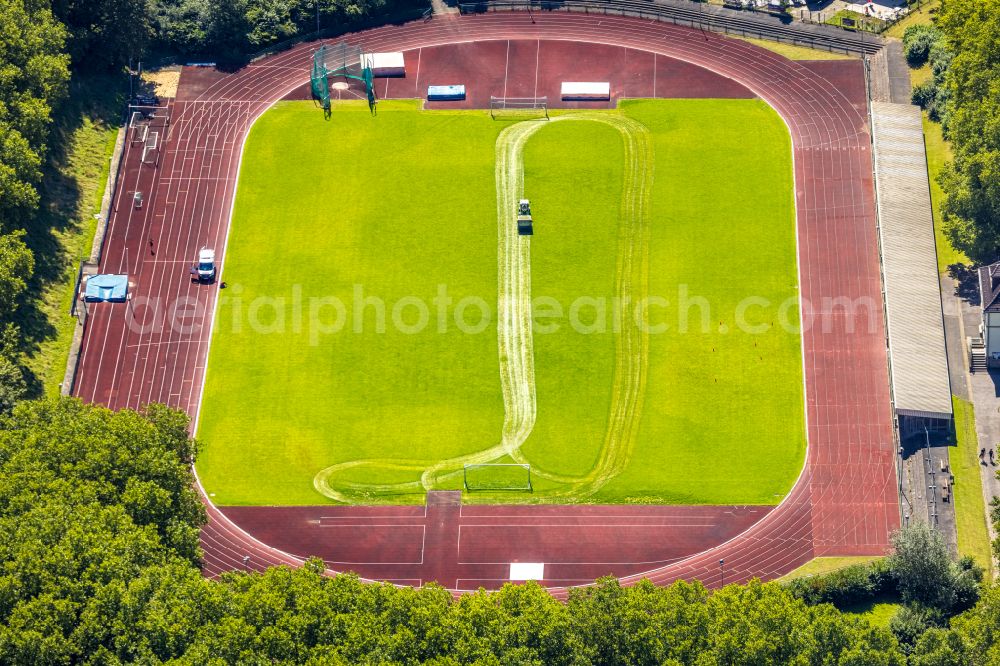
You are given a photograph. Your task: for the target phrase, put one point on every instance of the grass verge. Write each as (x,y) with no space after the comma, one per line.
(921,15)
(939,152)
(824,565)
(61,235)
(793,52)
(970,507)
(920,75)
(878,611)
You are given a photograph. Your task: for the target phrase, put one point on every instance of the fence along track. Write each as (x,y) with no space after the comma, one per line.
(756,24)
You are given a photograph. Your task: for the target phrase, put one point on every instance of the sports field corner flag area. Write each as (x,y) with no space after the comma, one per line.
(384,331)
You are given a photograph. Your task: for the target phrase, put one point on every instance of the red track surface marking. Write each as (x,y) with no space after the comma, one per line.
(480,66)
(639,73)
(522,68)
(845,500)
(848,77)
(536,68)
(676,78)
(576,543)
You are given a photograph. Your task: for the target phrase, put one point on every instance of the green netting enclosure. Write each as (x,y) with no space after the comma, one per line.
(320,86)
(344,60)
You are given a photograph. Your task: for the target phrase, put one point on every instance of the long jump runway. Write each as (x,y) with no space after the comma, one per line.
(845,500)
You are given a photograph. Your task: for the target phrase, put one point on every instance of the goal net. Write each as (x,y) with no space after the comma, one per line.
(497,476)
(519,107)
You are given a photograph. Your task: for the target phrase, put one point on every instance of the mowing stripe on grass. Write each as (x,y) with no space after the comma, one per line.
(631,288)
(514,325)
(516,358)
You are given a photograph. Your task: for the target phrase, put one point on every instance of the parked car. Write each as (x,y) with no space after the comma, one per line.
(205,268)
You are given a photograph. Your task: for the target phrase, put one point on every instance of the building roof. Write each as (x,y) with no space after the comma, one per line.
(917,352)
(989,287)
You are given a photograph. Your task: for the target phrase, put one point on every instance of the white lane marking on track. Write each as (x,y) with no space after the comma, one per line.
(416,81)
(538,54)
(506,65)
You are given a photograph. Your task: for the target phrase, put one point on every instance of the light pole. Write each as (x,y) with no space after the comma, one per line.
(722,570)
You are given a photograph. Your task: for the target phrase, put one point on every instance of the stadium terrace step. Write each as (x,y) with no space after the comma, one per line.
(977,355)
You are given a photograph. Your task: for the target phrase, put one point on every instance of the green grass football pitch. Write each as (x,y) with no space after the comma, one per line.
(357,221)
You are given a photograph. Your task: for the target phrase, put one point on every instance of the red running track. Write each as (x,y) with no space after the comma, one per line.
(473,546)
(844,501)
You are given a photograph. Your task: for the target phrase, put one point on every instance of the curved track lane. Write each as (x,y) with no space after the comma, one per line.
(845,500)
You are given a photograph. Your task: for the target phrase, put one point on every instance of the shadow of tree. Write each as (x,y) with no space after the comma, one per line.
(70,188)
(994,375)
(967,282)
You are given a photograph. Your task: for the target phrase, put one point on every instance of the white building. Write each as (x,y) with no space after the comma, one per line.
(989,330)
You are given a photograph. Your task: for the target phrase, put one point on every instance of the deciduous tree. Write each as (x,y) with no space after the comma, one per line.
(33,76)
(971,182)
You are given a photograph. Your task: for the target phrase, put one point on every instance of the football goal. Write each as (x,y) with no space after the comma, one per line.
(497,476)
(517,108)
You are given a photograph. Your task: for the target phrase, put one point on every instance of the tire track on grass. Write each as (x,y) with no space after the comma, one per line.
(631,290)
(514,329)
(514,338)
